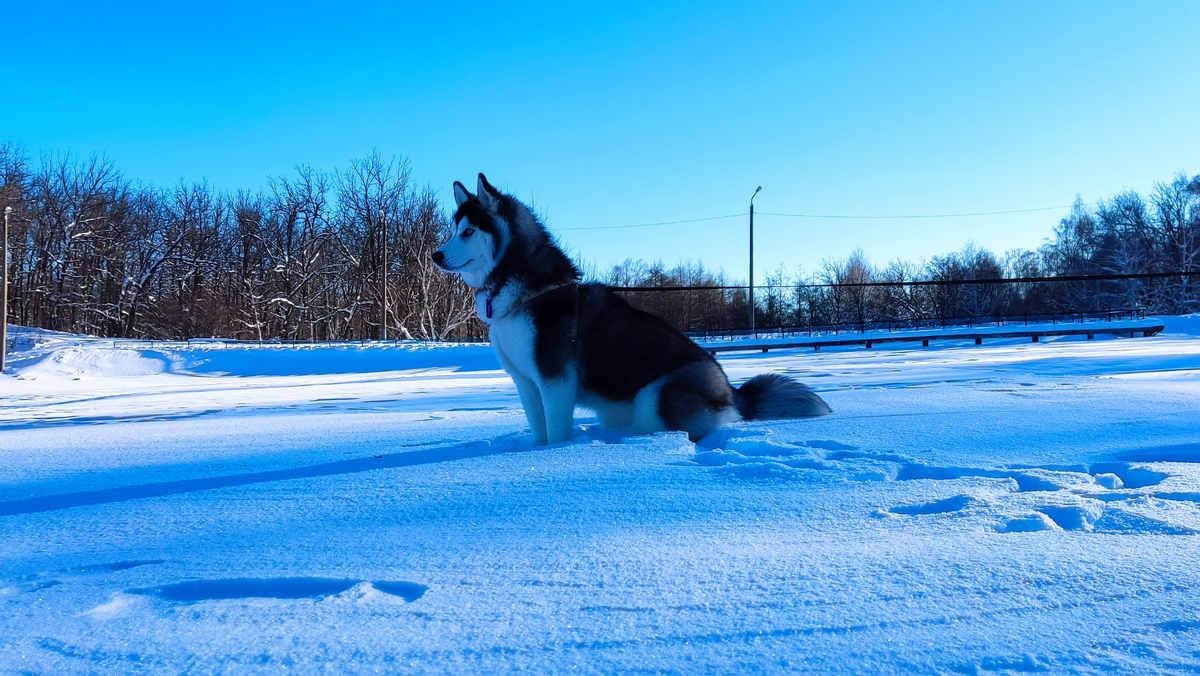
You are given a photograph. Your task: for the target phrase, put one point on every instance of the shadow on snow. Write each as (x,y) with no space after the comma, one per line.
(473,449)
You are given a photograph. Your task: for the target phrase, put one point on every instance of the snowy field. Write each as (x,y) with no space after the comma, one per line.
(1008,508)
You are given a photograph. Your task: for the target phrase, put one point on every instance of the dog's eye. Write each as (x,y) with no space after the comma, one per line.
(468,232)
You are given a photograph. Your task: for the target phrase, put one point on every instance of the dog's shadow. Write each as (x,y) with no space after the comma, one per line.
(586,431)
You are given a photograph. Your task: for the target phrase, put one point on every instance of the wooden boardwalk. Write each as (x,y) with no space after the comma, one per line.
(1146,327)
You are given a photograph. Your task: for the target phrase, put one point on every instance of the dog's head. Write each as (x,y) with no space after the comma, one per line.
(497,237)
(480,236)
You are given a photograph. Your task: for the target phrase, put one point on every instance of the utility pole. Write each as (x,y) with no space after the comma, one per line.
(385,277)
(752,260)
(4,293)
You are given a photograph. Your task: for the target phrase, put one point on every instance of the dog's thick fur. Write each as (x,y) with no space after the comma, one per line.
(567,344)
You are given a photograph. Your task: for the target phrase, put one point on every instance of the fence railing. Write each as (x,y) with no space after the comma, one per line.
(28,338)
(891,325)
(708,311)
(712,312)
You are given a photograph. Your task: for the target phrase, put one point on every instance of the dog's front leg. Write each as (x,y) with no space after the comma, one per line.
(531,397)
(558,400)
(531,401)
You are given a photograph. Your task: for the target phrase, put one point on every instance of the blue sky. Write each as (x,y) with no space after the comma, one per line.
(629,113)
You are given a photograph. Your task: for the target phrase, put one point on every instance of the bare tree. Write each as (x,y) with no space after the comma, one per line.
(93,252)
(1177,225)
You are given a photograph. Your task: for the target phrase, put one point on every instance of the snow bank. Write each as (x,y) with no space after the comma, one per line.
(47,354)
(1188,325)
(80,362)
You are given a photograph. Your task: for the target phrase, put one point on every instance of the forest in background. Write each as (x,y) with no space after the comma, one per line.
(1129,234)
(303,258)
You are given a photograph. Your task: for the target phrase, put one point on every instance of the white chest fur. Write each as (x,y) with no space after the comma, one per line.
(510,331)
(512,337)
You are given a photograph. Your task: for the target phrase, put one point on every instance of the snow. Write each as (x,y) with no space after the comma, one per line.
(1004,508)
(1188,325)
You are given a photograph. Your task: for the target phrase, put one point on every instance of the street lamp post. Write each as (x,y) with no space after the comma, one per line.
(752,260)
(4,293)
(385,278)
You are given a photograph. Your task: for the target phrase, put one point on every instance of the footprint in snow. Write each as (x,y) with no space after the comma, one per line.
(1096,498)
(194,591)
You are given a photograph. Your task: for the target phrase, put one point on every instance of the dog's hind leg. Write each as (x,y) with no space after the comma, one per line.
(558,401)
(697,399)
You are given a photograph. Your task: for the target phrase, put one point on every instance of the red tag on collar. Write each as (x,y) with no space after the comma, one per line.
(489,308)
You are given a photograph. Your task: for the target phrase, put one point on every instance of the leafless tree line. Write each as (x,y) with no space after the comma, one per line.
(692,310)
(303,259)
(1129,234)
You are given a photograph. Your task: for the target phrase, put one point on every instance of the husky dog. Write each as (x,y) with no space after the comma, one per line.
(566,344)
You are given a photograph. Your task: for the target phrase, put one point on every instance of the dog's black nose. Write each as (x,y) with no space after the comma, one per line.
(438,256)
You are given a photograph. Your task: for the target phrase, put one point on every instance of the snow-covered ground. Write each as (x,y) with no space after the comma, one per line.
(1008,508)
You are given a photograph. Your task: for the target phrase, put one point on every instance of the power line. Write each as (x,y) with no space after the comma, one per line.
(647,225)
(978,213)
(842,216)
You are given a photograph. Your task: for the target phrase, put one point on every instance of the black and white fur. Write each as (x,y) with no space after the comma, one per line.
(567,344)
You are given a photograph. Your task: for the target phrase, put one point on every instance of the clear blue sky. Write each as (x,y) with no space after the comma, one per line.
(625,113)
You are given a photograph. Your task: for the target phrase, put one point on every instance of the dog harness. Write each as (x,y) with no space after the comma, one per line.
(525,297)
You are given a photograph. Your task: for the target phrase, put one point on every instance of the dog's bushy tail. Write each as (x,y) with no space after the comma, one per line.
(771,395)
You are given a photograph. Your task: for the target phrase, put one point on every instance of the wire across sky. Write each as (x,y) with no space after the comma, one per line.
(843,216)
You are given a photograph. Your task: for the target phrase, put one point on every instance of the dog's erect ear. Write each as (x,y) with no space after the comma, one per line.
(460,194)
(487,194)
